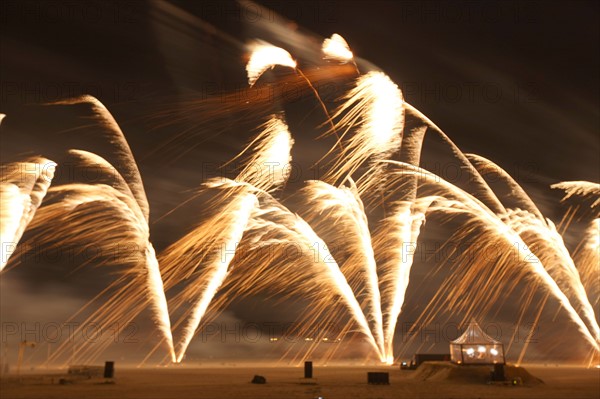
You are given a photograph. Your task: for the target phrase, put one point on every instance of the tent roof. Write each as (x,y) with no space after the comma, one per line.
(474,335)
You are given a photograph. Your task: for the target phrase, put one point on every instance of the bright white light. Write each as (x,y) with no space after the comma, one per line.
(336,48)
(481,349)
(494,352)
(470,351)
(267,168)
(265,56)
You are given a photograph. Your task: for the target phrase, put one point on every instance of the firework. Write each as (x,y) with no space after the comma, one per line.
(216,270)
(504,232)
(23,185)
(587,259)
(580,189)
(101,217)
(395,244)
(374,109)
(267,166)
(336,48)
(340,213)
(242,246)
(264,56)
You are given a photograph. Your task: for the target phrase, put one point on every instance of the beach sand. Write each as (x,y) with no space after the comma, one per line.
(286,382)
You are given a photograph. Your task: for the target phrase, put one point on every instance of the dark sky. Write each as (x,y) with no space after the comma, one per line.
(514,81)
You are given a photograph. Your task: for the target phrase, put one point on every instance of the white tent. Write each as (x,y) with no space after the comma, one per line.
(476,347)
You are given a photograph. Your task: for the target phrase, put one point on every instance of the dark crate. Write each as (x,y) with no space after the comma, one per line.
(378,378)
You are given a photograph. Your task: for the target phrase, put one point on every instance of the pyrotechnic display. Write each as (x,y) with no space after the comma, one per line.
(257,190)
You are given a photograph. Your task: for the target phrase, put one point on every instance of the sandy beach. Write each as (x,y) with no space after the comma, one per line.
(287,382)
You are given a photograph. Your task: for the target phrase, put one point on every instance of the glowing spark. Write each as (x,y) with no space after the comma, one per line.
(345,207)
(371,119)
(103,216)
(374,108)
(587,259)
(265,56)
(156,293)
(336,48)
(551,251)
(485,166)
(120,156)
(331,271)
(580,188)
(267,168)
(23,185)
(396,245)
(460,202)
(218,269)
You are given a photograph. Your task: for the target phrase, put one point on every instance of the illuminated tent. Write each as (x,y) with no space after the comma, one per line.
(476,347)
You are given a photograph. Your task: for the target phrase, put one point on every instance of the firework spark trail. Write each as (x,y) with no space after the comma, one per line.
(83,209)
(374,108)
(395,243)
(154,280)
(270,225)
(344,206)
(332,271)
(494,229)
(186,260)
(157,296)
(498,278)
(23,186)
(267,167)
(241,209)
(549,246)
(581,189)
(300,229)
(270,149)
(400,231)
(285,227)
(397,235)
(397,232)
(482,190)
(523,201)
(464,203)
(99,217)
(587,259)
(407,232)
(587,252)
(120,156)
(129,182)
(264,56)
(542,233)
(336,48)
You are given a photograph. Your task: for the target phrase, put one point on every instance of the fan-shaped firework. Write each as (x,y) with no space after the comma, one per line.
(23,185)
(364,283)
(264,56)
(336,48)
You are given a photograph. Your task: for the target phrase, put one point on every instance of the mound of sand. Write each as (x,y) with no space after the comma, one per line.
(446,371)
(512,372)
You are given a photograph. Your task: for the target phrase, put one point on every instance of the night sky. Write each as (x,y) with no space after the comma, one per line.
(513,81)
